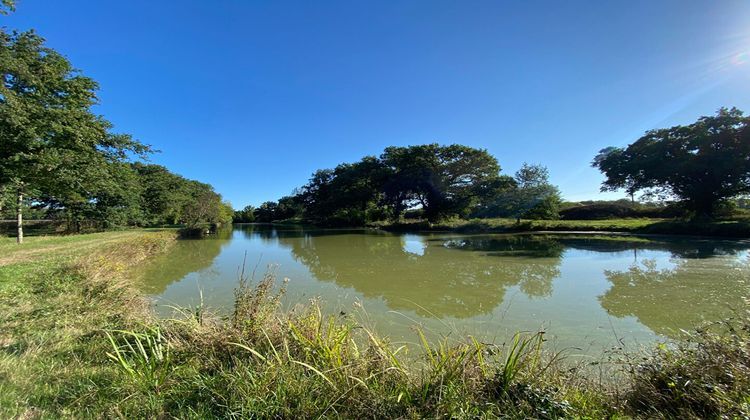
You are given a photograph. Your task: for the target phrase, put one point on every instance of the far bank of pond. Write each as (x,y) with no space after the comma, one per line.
(588,292)
(736,228)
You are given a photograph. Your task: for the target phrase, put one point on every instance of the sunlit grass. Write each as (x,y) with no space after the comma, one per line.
(76,341)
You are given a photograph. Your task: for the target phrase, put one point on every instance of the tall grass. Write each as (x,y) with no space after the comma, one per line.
(263,362)
(76,342)
(706,375)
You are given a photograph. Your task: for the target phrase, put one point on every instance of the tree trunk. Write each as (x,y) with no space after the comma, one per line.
(704,209)
(19,214)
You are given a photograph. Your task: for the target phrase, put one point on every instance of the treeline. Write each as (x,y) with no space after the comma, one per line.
(627,208)
(700,170)
(137,194)
(426,181)
(61,160)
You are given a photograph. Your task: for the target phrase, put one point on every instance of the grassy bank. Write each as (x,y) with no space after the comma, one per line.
(56,296)
(720,228)
(76,341)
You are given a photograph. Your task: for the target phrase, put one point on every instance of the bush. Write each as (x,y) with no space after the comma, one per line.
(705,376)
(619,209)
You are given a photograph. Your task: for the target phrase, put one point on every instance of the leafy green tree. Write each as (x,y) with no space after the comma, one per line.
(246,215)
(535,197)
(112,200)
(350,194)
(288,207)
(168,198)
(5,201)
(527,195)
(493,197)
(266,213)
(432,180)
(204,206)
(163,194)
(226,212)
(701,164)
(52,144)
(443,180)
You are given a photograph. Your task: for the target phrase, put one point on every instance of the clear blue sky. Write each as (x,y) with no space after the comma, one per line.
(252,97)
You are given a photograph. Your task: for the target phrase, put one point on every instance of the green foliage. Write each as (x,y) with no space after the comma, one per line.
(246,215)
(443,180)
(437,182)
(707,375)
(266,213)
(623,208)
(432,181)
(203,206)
(54,148)
(64,160)
(528,195)
(701,164)
(350,194)
(145,356)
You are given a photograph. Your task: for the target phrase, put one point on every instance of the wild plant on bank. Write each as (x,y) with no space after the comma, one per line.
(706,375)
(144,355)
(264,362)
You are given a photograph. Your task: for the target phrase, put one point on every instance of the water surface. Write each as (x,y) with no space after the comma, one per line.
(587,292)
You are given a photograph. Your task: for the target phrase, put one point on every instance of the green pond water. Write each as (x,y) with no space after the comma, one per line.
(588,292)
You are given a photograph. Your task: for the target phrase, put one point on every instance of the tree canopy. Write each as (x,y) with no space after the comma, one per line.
(443,180)
(701,164)
(56,154)
(436,181)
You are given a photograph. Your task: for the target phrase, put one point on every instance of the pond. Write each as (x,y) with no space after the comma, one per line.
(587,292)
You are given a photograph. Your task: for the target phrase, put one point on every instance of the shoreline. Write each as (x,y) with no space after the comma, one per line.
(721,230)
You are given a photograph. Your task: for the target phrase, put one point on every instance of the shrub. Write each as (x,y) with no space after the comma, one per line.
(705,376)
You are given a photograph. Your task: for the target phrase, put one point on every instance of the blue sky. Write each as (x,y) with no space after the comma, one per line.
(252,97)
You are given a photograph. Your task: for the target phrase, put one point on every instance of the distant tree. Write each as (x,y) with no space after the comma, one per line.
(315,195)
(288,207)
(5,201)
(266,213)
(701,164)
(203,207)
(163,194)
(52,144)
(350,194)
(493,197)
(444,180)
(225,213)
(246,215)
(431,181)
(113,200)
(535,197)
(528,195)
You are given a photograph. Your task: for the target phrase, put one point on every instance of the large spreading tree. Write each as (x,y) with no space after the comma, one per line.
(430,180)
(443,180)
(701,164)
(52,146)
